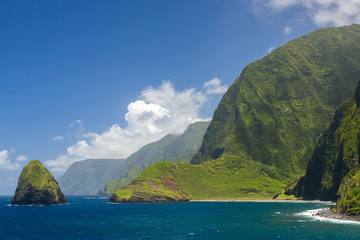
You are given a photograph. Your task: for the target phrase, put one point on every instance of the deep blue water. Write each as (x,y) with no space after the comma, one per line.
(94,219)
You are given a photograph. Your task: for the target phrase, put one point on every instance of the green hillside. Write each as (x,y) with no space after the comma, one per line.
(349,192)
(173,148)
(226,178)
(279,105)
(336,154)
(271,117)
(88,177)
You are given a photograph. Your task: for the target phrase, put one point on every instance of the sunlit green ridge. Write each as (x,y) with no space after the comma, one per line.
(265,127)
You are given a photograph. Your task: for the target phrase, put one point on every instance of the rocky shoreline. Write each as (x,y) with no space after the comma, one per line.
(329,214)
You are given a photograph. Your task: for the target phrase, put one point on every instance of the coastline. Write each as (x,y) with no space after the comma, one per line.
(263,201)
(327,215)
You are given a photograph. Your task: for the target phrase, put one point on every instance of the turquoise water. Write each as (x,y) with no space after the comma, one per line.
(96,219)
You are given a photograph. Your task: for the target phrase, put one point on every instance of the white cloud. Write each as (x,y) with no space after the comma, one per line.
(5,161)
(321,12)
(77,123)
(157,112)
(21,158)
(214,87)
(287,30)
(57,138)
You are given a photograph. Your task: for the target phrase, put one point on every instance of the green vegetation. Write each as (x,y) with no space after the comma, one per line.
(279,105)
(88,177)
(225,178)
(349,191)
(36,185)
(112,185)
(336,154)
(173,148)
(265,127)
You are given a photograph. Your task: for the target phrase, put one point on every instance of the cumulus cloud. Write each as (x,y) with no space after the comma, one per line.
(5,161)
(157,112)
(214,86)
(321,12)
(21,158)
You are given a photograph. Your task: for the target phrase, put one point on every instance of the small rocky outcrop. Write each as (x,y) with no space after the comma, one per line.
(166,190)
(37,186)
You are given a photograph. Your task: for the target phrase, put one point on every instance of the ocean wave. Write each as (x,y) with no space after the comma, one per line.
(36,205)
(95,198)
(314,214)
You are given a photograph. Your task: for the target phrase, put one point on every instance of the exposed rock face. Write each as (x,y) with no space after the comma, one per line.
(147,197)
(336,154)
(150,191)
(37,186)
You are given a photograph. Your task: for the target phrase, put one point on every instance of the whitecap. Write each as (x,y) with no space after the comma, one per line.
(313,214)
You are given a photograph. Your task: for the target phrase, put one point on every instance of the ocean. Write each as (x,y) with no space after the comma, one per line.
(94,218)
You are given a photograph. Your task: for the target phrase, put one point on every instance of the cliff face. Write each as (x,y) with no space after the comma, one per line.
(36,185)
(349,195)
(279,105)
(336,154)
(266,126)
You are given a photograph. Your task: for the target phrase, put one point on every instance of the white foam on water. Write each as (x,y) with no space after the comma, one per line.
(314,215)
(95,198)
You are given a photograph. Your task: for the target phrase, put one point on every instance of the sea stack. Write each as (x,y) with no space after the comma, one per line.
(37,186)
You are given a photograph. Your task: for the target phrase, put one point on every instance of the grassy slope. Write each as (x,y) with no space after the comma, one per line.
(226,178)
(36,175)
(336,154)
(271,117)
(173,148)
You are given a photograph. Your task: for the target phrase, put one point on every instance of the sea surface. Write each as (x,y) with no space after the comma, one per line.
(96,219)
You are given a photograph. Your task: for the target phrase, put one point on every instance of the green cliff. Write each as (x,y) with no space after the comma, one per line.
(265,127)
(349,192)
(173,148)
(36,185)
(279,105)
(335,155)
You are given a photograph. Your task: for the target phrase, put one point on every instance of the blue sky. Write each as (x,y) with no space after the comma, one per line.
(78,77)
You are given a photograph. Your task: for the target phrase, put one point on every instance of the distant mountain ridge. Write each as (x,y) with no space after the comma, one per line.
(88,177)
(172,148)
